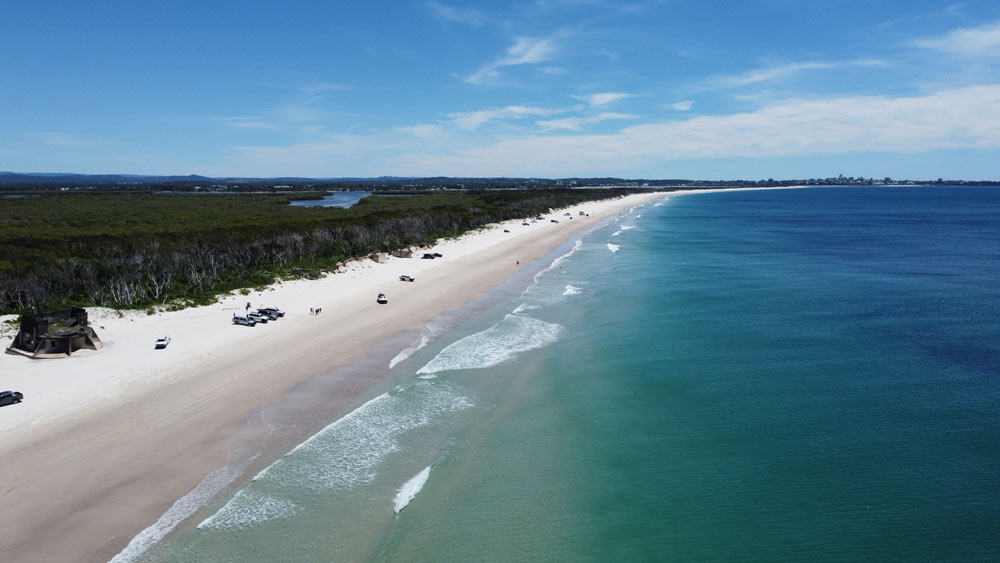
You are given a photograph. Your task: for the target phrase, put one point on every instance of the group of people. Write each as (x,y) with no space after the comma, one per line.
(315,311)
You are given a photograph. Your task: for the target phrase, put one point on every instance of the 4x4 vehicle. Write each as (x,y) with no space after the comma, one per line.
(244,321)
(10,397)
(272,312)
(382,299)
(258,317)
(406,278)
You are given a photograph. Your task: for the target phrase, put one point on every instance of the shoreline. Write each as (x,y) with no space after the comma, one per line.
(106,442)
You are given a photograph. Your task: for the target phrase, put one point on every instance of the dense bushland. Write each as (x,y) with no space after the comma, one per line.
(134,250)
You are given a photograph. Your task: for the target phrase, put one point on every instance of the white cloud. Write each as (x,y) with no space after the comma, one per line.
(685,105)
(525,50)
(472,120)
(983,41)
(603,98)
(577,123)
(965,118)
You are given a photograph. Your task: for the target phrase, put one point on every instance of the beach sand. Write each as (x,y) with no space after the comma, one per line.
(105,442)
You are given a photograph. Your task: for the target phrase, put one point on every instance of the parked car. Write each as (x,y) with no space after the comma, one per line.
(258,317)
(437,255)
(162,342)
(274,310)
(553,220)
(428,257)
(244,321)
(267,313)
(406,278)
(10,397)
(381,299)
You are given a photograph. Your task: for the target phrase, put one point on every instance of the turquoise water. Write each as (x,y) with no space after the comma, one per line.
(797,375)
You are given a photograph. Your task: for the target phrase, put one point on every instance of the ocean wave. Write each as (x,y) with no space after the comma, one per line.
(572,290)
(499,343)
(342,456)
(613,247)
(410,489)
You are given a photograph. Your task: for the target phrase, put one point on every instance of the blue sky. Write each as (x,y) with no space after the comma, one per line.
(549,88)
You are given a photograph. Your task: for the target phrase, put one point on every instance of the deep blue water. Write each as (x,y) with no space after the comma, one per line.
(787,375)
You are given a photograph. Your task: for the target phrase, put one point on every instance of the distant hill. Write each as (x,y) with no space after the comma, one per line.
(48,178)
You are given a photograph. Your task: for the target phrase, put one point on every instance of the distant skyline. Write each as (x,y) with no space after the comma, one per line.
(549,88)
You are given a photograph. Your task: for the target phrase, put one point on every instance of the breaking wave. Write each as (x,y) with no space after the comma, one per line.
(613,247)
(499,343)
(340,457)
(572,290)
(410,489)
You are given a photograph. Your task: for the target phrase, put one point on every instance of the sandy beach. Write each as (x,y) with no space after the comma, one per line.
(105,442)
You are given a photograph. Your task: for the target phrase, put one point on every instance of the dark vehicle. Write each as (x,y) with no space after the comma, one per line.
(381,299)
(437,255)
(525,224)
(162,342)
(10,397)
(244,321)
(269,313)
(406,278)
(428,257)
(258,317)
(271,310)
(553,220)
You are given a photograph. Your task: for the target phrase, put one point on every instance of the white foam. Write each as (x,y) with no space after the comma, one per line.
(499,343)
(613,247)
(410,489)
(247,509)
(427,376)
(523,307)
(413,349)
(572,290)
(629,227)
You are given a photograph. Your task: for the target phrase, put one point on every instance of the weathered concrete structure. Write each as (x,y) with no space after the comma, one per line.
(55,335)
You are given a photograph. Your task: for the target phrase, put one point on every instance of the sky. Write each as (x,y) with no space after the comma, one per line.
(695,89)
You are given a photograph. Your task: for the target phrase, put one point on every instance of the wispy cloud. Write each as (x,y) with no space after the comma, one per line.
(982,41)
(525,50)
(465,16)
(472,120)
(773,73)
(685,105)
(603,98)
(428,131)
(58,139)
(577,123)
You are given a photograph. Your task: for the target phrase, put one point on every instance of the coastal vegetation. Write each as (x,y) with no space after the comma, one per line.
(137,250)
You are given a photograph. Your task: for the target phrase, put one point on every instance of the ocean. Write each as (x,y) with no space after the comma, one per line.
(779,375)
